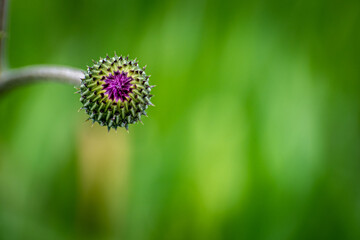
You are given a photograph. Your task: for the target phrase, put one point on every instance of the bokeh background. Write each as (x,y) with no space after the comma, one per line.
(255,133)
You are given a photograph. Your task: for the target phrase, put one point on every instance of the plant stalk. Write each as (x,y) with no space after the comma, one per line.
(3,15)
(39,73)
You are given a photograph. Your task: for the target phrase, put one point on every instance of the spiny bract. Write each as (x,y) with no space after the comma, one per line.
(115,92)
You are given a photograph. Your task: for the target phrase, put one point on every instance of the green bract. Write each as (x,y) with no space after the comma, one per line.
(115,92)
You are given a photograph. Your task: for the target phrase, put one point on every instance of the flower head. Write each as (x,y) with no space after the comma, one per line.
(115,92)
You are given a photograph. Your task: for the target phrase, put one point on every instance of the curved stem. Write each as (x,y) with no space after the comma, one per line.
(18,77)
(22,76)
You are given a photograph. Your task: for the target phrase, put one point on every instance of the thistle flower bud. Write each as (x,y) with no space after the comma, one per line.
(115,92)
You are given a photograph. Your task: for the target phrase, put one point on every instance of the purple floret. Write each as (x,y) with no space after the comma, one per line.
(117,86)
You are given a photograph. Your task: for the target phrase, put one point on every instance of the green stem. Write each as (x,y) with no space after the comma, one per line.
(3,15)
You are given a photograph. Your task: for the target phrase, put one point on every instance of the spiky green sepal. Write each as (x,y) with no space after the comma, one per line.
(115,92)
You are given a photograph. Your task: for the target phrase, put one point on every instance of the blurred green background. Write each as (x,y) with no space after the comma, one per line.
(255,133)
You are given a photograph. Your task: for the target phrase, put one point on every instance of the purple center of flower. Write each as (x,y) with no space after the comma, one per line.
(117,86)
